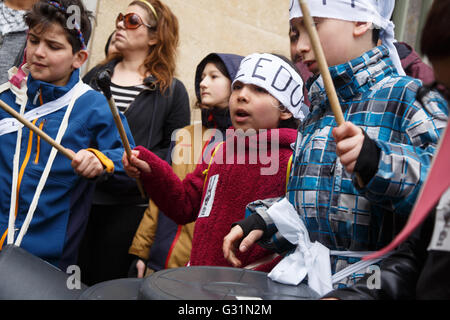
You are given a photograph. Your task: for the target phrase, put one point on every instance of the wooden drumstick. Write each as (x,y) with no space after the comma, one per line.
(104,83)
(36,130)
(324,71)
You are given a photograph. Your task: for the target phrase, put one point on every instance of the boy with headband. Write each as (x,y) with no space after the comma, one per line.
(266,92)
(388,139)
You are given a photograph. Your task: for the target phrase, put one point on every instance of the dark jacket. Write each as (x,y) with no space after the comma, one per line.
(412,272)
(413,64)
(152,117)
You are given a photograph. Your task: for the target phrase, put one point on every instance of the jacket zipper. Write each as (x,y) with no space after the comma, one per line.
(38,144)
(19,181)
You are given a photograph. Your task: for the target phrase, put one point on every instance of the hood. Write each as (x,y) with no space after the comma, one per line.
(217,118)
(231,62)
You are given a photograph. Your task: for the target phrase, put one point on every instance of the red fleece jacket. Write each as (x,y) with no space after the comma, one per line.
(239,182)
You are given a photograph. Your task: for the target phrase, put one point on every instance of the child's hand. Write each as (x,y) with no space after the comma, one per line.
(134,166)
(349,141)
(86,164)
(231,242)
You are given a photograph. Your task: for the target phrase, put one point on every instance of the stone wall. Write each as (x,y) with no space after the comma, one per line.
(232,26)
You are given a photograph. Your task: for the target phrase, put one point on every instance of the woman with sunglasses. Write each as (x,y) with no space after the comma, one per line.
(155,104)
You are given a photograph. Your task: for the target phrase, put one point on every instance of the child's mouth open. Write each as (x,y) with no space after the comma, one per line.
(241,115)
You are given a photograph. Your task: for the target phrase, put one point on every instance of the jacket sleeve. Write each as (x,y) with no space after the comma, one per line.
(179,200)
(399,272)
(179,116)
(103,131)
(146,232)
(402,168)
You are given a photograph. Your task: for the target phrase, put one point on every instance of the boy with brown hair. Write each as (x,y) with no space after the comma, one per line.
(388,138)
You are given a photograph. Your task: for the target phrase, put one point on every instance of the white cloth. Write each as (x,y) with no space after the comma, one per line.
(9,125)
(378,12)
(277,77)
(311,259)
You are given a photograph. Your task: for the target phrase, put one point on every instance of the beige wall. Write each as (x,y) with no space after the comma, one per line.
(231,26)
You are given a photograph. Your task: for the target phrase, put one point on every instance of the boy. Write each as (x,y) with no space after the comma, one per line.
(418,269)
(35,181)
(389,140)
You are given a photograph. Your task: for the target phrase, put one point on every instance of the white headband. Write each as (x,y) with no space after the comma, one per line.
(376,11)
(277,77)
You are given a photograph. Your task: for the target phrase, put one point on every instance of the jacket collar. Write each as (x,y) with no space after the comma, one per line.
(49,91)
(149,82)
(354,77)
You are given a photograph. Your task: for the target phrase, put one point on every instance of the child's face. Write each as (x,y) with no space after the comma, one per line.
(49,55)
(134,40)
(336,37)
(215,88)
(252,107)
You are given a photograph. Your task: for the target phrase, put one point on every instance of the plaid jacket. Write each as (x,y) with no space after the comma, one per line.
(374,97)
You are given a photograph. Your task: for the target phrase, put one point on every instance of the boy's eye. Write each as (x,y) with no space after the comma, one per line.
(293,35)
(237,86)
(260,90)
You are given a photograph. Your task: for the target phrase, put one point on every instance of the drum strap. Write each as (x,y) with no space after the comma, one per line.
(45,174)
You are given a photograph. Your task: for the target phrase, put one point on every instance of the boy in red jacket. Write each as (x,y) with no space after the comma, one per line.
(250,164)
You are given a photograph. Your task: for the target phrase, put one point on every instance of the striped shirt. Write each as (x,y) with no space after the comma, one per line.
(124,96)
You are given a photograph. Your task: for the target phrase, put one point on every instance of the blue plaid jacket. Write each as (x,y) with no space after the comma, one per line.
(374,97)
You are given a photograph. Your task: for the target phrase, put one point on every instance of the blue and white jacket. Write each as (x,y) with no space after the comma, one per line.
(63,207)
(374,97)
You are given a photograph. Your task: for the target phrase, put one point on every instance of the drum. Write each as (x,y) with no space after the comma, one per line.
(119,289)
(219,283)
(24,276)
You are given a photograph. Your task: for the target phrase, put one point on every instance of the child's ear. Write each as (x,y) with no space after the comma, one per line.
(285,115)
(79,59)
(361,28)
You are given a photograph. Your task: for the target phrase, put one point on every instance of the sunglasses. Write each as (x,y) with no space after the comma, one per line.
(131,21)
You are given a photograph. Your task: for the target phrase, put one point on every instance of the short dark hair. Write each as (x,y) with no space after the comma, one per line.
(375,35)
(435,43)
(44,14)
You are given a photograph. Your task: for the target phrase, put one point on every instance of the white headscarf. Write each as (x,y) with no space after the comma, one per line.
(376,11)
(277,77)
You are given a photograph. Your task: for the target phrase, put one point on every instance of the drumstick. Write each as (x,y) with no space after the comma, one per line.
(36,130)
(104,83)
(324,71)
